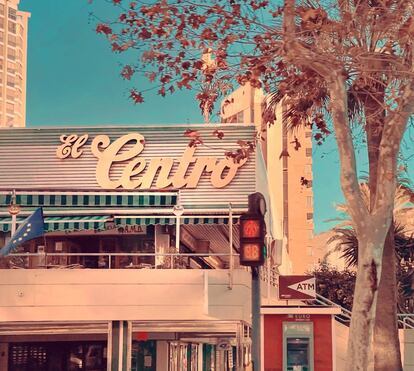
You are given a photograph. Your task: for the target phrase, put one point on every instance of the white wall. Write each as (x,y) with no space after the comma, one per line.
(341,341)
(408,350)
(406,347)
(144,294)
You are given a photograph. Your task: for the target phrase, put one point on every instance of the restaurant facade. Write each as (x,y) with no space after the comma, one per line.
(138,268)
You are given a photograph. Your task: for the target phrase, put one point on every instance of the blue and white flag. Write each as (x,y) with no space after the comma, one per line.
(31,227)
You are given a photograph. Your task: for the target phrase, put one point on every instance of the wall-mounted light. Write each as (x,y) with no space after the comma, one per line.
(178,210)
(14,208)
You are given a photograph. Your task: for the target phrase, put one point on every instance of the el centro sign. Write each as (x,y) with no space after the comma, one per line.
(139,172)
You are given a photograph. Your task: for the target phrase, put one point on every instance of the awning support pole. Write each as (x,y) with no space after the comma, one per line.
(231,260)
(177,240)
(13,216)
(239,345)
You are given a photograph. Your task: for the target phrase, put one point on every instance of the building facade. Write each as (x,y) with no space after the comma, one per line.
(288,158)
(13,64)
(138,268)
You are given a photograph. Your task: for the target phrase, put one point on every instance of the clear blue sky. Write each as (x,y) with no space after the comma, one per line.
(73,78)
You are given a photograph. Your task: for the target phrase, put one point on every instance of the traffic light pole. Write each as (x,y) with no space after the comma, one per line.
(252,242)
(256,325)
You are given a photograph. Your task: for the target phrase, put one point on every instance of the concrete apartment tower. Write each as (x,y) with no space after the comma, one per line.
(289,172)
(13,64)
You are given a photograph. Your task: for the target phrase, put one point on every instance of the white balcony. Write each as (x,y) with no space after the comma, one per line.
(127,294)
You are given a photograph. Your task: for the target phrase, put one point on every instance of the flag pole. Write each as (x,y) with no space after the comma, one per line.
(44,241)
(13,226)
(14,209)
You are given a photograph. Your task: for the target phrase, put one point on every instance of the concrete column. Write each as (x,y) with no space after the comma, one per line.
(119,345)
(162,355)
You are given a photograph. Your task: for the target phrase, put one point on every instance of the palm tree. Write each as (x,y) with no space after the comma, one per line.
(346,241)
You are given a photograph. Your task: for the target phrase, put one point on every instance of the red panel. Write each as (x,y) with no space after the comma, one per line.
(273,341)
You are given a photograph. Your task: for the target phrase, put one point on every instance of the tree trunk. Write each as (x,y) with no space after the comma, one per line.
(387,354)
(386,341)
(364,307)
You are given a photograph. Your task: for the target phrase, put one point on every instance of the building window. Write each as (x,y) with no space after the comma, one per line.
(309,251)
(309,216)
(308,152)
(12,40)
(10,81)
(11,54)
(12,27)
(12,14)
(308,134)
(309,201)
(308,169)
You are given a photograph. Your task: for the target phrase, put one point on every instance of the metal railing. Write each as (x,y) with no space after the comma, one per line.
(344,317)
(405,321)
(110,260)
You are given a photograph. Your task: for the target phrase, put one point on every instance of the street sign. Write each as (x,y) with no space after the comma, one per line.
(297,287)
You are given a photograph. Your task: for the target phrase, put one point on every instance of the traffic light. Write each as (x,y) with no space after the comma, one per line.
(252,234)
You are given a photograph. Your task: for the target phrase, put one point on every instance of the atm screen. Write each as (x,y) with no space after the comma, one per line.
(298,354)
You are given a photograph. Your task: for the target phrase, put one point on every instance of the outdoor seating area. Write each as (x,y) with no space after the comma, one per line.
(152,247)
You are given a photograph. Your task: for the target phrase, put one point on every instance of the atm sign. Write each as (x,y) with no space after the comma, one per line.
(297,287)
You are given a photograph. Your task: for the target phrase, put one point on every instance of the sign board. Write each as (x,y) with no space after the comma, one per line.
(297,287)
(110,230)
(132,159)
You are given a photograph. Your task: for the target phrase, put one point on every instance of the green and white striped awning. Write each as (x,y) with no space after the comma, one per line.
(62,223)
(70,223)
(92,200)
(171,220)
(97,222)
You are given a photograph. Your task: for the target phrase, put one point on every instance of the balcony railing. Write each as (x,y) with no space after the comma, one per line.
(110,260)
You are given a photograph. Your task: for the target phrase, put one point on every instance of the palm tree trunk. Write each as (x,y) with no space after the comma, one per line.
(387,354)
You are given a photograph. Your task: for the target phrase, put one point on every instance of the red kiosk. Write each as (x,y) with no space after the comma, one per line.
(298,337)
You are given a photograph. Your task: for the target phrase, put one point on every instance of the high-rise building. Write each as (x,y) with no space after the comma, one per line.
(288,158)
(13,63)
